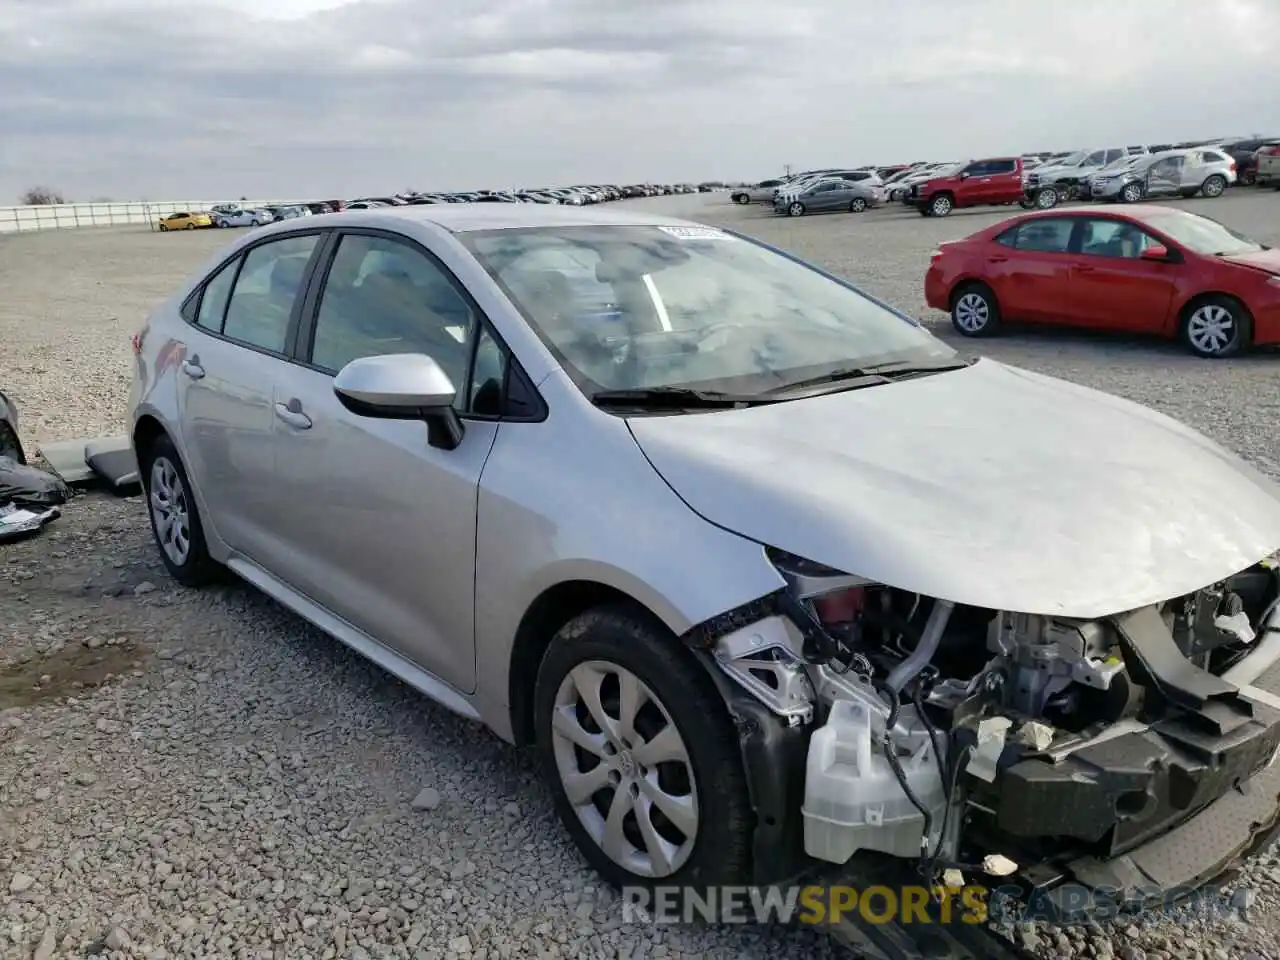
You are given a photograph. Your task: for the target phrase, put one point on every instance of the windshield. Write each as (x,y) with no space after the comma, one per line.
(1071,159)
(642,307)
(1202,235)
(1121,164)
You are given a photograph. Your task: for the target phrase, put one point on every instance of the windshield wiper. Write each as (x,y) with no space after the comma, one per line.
(869,375)
(673,397)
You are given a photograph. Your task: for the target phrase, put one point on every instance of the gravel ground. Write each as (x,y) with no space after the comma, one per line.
(203,775)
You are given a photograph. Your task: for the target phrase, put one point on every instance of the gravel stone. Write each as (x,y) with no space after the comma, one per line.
(203,775)
(428,798)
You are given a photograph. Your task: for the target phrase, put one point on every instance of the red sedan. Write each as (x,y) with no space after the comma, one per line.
(1145,269)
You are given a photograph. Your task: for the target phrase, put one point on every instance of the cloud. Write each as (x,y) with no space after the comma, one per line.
(214,98)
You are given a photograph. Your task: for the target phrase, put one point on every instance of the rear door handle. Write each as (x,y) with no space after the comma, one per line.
(291,413)
(192,368)
(1084,268)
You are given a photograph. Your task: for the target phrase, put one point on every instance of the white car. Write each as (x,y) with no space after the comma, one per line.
(241,218)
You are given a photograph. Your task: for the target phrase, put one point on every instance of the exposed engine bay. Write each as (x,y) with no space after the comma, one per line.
(982,741)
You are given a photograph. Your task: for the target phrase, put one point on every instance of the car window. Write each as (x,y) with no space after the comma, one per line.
(1096,158)
(488,376)
(1114,238)
(262,300)
(977,169)
(1046,234)
(382,296)
(213,302)
(1008,238)
(636,307)
(1001,166)
(1114,155)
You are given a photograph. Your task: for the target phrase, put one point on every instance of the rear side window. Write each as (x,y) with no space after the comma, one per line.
(1002,166)
(262,300)
(213,302)
(1046,235)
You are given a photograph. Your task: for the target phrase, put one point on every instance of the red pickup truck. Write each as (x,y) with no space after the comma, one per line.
(991,182)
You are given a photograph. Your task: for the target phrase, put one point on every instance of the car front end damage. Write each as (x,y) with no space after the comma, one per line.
(1133,756)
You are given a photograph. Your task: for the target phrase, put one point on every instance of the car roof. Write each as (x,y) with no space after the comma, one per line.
(464,218)
(1140,212)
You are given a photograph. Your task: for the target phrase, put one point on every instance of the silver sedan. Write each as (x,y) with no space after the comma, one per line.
(750,559)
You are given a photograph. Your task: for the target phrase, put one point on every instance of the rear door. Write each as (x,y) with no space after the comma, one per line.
(244,319)
(380,524)
(1111,287)
(1029,266)
(1005,181)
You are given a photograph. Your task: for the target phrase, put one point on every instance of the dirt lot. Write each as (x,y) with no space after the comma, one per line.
(202,775)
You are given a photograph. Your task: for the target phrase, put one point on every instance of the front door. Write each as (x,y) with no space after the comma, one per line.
(1111,286)
(225,389)
(1164,177)
(382,524)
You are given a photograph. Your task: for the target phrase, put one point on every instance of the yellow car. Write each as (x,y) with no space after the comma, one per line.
(184,221)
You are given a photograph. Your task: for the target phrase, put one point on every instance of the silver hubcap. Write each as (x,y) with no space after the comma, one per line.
(170,511)
(1211,329)
(1047,199)
(942,205)
(796,209)
(1213,187)
(972,312)
(859,206)
(625,769)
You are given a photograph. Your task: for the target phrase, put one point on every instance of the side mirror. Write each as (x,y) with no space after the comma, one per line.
(402,386)
(964,174)
(1156,253)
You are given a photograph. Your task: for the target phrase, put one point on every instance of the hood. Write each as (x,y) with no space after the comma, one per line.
(988,486)
(1265,260)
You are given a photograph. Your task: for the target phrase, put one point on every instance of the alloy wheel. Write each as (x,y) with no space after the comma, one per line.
(1214,186)
(796,209)
(941,206)
(1132,193)
(972,312)
(170,511)
(858,205)
(1211,329)
(625,769)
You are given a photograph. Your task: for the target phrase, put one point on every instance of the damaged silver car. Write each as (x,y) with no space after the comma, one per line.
(773,580)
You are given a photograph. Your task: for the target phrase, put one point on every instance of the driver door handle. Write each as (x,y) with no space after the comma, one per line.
(1084,268)
(192,368)
(291,413)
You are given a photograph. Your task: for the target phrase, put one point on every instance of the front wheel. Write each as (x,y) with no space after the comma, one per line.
(1047,198)
(175,519)
(163,228)
(974,311)
(641,755)
(941,205)
(796,209)
(1217,327)
(740,198)
(1215,186)
(1131,193)
(189,226)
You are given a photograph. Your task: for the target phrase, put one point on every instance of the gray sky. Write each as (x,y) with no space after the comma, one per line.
(196,99)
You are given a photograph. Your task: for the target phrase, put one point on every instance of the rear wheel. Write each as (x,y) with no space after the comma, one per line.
(1248,178)
(974,311)
(1217,327)
(641,755)
(740,198)
(857,205)
(1214,186)
(189,226)
(175,518)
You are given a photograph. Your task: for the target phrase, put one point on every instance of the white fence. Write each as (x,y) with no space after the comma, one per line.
(69,215)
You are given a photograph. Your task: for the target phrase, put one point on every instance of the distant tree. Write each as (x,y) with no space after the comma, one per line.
(42,197)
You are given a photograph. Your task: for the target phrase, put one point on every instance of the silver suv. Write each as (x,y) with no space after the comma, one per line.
(1204,170)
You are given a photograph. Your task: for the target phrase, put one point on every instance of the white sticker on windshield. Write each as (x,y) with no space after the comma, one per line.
(697,233)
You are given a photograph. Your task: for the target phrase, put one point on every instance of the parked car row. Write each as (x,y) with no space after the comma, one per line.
(577,196)
(1129,174)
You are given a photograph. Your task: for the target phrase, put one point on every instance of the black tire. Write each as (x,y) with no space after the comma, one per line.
(163,228)
(624,637)
(10,445)
(942,205)
(857,205)
(1131,193)
(1248,178)
(189,226)
(740,198)
(795,209)
(198,568)
(1241,324)
(975,312)
(1214,186)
